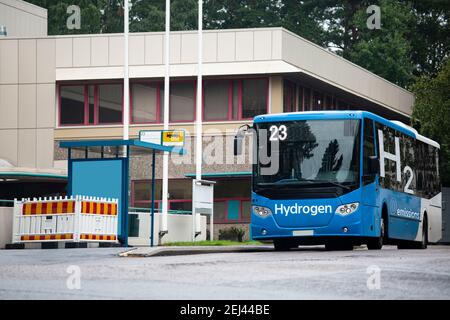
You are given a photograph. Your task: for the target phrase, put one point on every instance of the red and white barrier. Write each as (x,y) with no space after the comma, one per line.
(74,219)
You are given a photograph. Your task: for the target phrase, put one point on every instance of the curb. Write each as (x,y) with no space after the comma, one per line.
(179,251)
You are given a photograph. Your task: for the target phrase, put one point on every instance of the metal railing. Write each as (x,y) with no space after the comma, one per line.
(132,210)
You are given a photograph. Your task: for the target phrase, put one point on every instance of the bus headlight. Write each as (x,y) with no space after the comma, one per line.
(347,209)
(261,211)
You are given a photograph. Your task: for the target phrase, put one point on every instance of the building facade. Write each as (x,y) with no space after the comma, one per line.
(61,88)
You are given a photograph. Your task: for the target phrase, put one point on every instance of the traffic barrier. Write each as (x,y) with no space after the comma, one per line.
(74,219)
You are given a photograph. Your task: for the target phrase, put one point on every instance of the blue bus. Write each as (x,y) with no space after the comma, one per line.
(343,178)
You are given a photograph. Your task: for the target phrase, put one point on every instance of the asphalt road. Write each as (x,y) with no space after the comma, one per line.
(309,273)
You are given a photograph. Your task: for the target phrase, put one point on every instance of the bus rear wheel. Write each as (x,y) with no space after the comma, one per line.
(417,244)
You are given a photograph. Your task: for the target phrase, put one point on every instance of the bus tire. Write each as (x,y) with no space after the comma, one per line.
(339,246)
(282,244)
(417,244)
(377,243)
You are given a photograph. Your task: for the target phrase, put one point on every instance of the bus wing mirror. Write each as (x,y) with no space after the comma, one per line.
(374,165)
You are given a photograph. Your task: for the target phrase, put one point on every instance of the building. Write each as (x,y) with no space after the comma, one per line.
(55,88)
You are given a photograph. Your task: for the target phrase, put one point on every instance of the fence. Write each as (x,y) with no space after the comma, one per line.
(74,219)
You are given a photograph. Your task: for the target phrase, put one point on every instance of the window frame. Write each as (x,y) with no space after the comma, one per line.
(159,107)
(86,104)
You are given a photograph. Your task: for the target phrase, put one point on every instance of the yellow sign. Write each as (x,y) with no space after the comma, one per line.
(173,137)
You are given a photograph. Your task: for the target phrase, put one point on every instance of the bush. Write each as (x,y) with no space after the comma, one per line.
(232,234)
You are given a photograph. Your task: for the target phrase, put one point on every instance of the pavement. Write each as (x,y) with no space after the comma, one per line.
(305,273)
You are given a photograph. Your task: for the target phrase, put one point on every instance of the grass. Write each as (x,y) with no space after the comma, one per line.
(211,243)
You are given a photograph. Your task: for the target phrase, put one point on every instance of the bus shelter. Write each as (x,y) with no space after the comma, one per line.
(100,168)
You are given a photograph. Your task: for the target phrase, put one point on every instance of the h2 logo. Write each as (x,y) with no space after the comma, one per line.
(407,170)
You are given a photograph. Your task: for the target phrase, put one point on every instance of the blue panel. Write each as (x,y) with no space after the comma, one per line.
(233,209)
(99,178)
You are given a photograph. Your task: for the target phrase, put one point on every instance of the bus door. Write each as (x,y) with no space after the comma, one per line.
(370,190)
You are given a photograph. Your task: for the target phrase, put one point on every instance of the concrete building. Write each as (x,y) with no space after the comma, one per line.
(55,88)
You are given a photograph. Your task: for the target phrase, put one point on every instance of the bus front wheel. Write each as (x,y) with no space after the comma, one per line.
(377,243)
(282,244)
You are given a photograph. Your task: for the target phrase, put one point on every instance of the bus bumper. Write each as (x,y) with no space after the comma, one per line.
(348,226)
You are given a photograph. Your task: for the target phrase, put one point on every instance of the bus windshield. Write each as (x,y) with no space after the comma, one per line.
(311,154)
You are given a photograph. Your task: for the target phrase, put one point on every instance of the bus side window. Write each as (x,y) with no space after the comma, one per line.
(368,150)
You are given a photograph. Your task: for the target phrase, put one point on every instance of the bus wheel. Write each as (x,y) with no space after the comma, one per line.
(377,243)
(417,244)
(282,244)
(338,246)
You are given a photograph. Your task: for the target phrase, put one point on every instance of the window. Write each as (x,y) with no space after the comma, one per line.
(254,97)
(182,101)
(300,99)
(145,99)
(90,104)
(329,103)
(223,100)
(216,100)
(72,98)
(307,94)
(110,103)
(368,148)
(318,101)
(288,96)
(246,207)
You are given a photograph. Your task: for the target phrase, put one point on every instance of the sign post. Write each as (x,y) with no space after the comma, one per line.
(202,203)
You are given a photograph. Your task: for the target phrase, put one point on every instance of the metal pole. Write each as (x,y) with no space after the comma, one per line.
(165,182)
(199,114)
(152,230)
(126,89)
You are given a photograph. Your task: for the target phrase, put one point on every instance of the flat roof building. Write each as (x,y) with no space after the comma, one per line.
(55,88)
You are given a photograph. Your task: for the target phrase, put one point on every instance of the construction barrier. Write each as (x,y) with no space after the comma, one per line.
(74,219)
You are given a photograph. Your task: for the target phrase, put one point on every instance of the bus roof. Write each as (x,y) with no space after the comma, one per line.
(349,114)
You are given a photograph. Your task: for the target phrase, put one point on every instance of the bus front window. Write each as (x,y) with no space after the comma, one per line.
(310,154)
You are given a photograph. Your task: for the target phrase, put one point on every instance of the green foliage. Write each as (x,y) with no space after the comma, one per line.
(210,243)
(432,112)
(232,234)
(386,51)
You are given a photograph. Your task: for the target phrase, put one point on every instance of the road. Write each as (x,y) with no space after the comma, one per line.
(308,273)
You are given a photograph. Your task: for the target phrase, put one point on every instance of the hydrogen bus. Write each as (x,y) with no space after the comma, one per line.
(343,178)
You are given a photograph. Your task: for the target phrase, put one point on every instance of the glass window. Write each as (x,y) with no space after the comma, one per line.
(72,105)
(236,100)
(181,205)
(180,189)
(254,97)
(300,99)
(145,102)
(318,101)
(220,211)
(368,147)
(182,101)
(91,99)
(233,188)
(288,96)
(328,103)
(216,100)
(307,93)
(110,103)
(246,210)
(143,190)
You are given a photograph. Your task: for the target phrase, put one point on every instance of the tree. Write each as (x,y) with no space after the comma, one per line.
(432,112)
(429,35)
(91,17)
